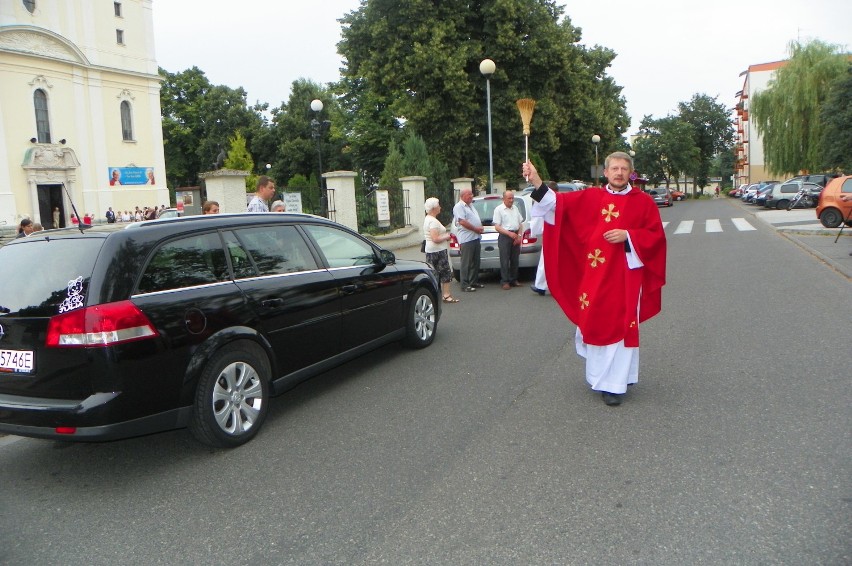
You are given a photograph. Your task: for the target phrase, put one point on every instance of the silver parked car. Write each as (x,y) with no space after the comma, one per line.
(490,255)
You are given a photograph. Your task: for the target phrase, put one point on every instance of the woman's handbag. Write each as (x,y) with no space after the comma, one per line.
(423,247)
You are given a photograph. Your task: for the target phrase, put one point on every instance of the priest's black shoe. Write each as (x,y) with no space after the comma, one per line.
(611,399)
(537,290)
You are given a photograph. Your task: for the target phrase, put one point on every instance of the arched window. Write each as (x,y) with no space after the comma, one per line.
(41,115)
(126,122)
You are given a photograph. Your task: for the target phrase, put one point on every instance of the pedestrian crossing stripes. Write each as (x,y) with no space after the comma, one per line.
(711,225)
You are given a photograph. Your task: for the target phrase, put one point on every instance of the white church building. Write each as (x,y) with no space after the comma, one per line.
(79,107)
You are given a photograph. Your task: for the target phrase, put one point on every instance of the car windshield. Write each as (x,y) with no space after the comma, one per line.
(28,287)
(485,208)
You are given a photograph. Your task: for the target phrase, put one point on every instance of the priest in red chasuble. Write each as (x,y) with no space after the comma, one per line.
(605,258)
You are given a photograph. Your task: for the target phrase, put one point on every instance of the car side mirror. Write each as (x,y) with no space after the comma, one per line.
(387,257)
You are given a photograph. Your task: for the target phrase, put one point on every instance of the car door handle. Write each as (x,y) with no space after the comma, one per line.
(270,303)
(349,289)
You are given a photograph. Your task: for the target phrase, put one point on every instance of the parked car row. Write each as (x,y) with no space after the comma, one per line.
(781,195)
(772,194)
(831,210)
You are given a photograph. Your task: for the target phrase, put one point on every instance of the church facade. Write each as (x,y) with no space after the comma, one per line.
(79,109)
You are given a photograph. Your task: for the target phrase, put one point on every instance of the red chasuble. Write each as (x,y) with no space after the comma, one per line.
(589,277)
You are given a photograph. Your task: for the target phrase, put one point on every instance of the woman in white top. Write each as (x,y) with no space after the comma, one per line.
(437,246)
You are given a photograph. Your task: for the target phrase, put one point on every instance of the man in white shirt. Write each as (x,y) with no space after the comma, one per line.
(265,191)
(469,230)
(509,224)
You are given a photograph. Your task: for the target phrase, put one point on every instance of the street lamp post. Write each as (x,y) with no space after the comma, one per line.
(596,139)
(317,129)
(487,68)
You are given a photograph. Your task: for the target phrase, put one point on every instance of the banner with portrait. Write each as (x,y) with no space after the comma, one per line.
(131,176)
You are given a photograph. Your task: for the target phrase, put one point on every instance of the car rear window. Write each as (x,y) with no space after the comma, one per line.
(44,277)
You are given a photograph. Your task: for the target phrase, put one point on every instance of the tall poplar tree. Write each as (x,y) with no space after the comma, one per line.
(787,113)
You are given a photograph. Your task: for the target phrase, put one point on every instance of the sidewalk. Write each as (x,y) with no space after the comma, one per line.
(802,227)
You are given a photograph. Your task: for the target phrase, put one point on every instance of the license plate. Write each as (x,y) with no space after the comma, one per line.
(16,361)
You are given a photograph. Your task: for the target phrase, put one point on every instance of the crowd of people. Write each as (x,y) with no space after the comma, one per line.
(136,215)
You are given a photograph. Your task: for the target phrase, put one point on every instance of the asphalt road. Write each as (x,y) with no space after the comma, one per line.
(488,448)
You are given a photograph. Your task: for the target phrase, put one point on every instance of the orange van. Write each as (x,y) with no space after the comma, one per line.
(831,211)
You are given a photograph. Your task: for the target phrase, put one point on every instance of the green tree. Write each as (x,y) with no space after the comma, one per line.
(240,158)
(836,117)
(415,158)
(415,65)
(666,148)
(198,118)
(295,139)
(712,133)
(787,113)
(723,166)
(394,169)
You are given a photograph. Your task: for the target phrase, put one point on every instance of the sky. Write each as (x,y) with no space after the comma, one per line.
(667,50)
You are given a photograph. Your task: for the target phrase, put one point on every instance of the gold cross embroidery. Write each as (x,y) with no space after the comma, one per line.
(584,301)
(596,258)
(609,213)
(632,323)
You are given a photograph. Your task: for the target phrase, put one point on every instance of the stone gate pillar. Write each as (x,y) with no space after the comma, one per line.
(227,187)
(416,187)
(341,200)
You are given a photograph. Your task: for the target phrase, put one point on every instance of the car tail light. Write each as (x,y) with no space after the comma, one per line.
(101,325)
(528,238)
(454,242)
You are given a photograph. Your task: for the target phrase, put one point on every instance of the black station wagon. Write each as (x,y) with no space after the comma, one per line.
(115,332)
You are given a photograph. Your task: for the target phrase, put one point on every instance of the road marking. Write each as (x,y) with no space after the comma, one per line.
(665,224)
(685,227)
(713,225)
(742,224)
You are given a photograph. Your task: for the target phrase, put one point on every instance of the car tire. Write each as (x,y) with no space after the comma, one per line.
(232,396)
(830,218)
(782,204)
(421,320)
